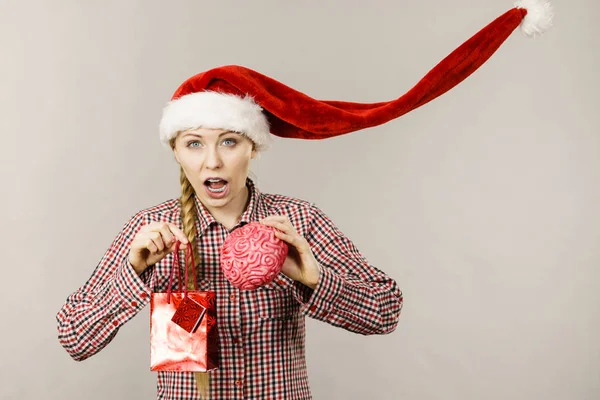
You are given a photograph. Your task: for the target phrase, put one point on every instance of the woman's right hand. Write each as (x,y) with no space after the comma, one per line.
(152,243)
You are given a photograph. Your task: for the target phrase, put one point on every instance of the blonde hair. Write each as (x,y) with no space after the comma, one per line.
(188,220)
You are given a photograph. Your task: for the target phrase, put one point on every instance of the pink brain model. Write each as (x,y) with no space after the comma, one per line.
(252,256)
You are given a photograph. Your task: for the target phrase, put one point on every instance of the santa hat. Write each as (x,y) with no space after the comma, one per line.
(245,101)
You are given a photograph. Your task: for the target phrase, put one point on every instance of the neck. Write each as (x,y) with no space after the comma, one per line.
(230,215)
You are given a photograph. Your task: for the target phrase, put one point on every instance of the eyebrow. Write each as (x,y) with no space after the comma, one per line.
(200,136)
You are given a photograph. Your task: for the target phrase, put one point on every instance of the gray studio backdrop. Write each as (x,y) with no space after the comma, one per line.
(483,204)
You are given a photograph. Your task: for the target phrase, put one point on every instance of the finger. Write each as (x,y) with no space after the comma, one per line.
(285,220)
(171,229)
(289,233)
(178,233)
(290,239)
(271,223)
(277,222)
(167,235)
(276,217)
(284,227)
(158,240)
(151,246)
(297,241)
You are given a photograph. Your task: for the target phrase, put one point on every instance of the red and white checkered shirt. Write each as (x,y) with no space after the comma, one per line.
(261,332)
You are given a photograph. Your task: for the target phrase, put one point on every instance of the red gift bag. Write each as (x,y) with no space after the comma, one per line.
(183,325)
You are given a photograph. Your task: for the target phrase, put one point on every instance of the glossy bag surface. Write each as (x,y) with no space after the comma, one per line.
(183,326)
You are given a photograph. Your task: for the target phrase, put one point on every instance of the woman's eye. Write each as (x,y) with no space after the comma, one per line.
(193,143)
(229,142)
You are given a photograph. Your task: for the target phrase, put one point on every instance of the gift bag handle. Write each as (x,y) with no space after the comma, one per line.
(176,263)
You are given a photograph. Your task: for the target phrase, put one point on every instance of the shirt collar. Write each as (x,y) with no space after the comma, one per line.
(252,212)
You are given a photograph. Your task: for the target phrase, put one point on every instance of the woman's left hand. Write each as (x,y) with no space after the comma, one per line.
(300,263)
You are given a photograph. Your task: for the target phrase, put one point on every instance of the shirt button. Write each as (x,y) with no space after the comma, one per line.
(313,308)
(115,323)
(134,303)
(143,295)
(238,383)
(232,297)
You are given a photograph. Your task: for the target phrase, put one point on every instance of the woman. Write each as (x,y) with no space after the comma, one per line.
(214,129)
(261,331)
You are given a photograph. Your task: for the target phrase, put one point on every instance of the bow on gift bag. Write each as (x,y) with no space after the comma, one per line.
(183,328)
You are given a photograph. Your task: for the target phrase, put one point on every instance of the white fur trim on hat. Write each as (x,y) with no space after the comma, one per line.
(217,111)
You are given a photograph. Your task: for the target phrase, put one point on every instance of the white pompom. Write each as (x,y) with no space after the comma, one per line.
(539,16)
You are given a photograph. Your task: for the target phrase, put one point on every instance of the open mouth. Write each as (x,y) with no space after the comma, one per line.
(216,185)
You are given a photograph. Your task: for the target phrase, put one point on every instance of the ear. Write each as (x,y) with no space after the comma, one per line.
(253,153)
(176,154)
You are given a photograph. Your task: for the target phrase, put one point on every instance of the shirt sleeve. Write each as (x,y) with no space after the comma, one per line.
(91,316)
(351,293)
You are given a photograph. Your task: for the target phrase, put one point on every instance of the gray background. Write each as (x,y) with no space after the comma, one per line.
(483,204)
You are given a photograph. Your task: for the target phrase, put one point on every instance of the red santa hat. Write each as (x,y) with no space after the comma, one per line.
(245,101)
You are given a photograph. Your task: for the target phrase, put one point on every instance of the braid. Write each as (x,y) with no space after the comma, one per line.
(188,219)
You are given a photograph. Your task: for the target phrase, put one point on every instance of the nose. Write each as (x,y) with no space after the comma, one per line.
(213,159)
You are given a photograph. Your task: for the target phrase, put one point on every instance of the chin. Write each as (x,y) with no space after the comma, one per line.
(217,203)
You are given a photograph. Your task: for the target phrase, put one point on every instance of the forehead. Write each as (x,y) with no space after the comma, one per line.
(205,133)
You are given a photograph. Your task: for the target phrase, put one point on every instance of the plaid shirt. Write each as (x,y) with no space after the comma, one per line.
(261,332)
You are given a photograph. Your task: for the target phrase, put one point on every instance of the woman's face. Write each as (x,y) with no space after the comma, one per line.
(216,162)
